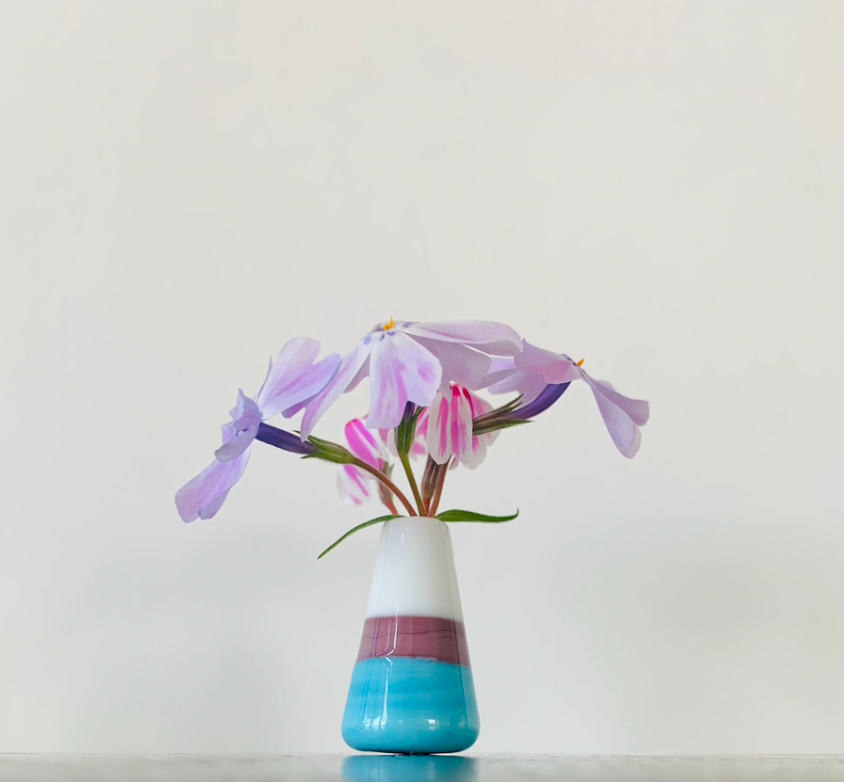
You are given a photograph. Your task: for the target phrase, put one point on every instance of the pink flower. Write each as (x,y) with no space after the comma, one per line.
(354,484)
(450,428)
(377,450)
(293,379)
(535,369)
(409,362)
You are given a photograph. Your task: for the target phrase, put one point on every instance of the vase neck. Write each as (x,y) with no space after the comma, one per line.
(414,572)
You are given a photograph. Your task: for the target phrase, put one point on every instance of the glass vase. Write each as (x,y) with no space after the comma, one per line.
(412,690)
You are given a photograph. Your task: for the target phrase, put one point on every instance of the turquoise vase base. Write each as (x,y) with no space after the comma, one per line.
(410,705)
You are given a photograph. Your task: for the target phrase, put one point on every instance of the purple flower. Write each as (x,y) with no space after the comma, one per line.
(550,394)
(542,376)
(409,362)
(291,381)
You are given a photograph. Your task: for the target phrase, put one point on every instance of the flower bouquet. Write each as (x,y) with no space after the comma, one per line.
(412,689)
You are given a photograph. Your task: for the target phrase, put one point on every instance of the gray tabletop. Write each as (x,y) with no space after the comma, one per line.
(389,768)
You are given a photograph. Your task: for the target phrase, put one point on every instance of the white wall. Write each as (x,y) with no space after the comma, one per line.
(656,187)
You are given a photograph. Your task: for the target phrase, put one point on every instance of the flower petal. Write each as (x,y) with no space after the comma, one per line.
(240,433)
(528,385)
(363,372)
(620,415)
(347,370)
(401,370)
(420,446)
(363,444)
(450,427)
(555,368)
(202,497)
(481,406)
(485,335)
(352,483)
(293,377)
(439,446)
(461,364)
(637,409)
(476,452)
(211,510)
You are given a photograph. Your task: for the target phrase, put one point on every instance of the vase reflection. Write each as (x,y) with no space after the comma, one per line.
(409,768)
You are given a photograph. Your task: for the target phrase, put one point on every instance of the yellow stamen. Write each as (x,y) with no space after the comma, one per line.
(580,363)
(390,325)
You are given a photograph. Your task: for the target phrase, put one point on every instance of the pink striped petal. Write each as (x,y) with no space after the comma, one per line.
(241,432)
(450,426)
(388,438)
(401,370)
(353,484)
(349,367)
(485,335)
(480,406)
(474,455)
(439,445)
(363,444)
(553,367)
(420,445)
(293,377)
(622,416)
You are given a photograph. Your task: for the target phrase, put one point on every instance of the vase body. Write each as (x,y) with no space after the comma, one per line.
(412,689)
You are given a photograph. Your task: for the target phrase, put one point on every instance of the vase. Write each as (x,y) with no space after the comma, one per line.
(412,690)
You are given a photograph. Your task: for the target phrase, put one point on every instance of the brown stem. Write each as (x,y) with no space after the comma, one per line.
(387,482)
(430,476)
(438,493)
(386,496)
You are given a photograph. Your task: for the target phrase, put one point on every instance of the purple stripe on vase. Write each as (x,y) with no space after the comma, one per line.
(443,640)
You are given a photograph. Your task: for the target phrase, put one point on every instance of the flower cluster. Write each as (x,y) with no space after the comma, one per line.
(424,380)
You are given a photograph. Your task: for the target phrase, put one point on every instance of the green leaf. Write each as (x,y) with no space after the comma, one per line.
(503,411)
(495,425)
(468,515)
(353,530)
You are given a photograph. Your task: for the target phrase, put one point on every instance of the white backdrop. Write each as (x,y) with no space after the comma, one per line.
(656,187)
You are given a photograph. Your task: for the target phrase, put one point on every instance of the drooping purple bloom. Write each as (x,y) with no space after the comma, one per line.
(292,380)
(550,394)
(409,362)
(542,376)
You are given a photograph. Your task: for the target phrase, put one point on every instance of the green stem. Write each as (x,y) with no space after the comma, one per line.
(388,483)
(405,460)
